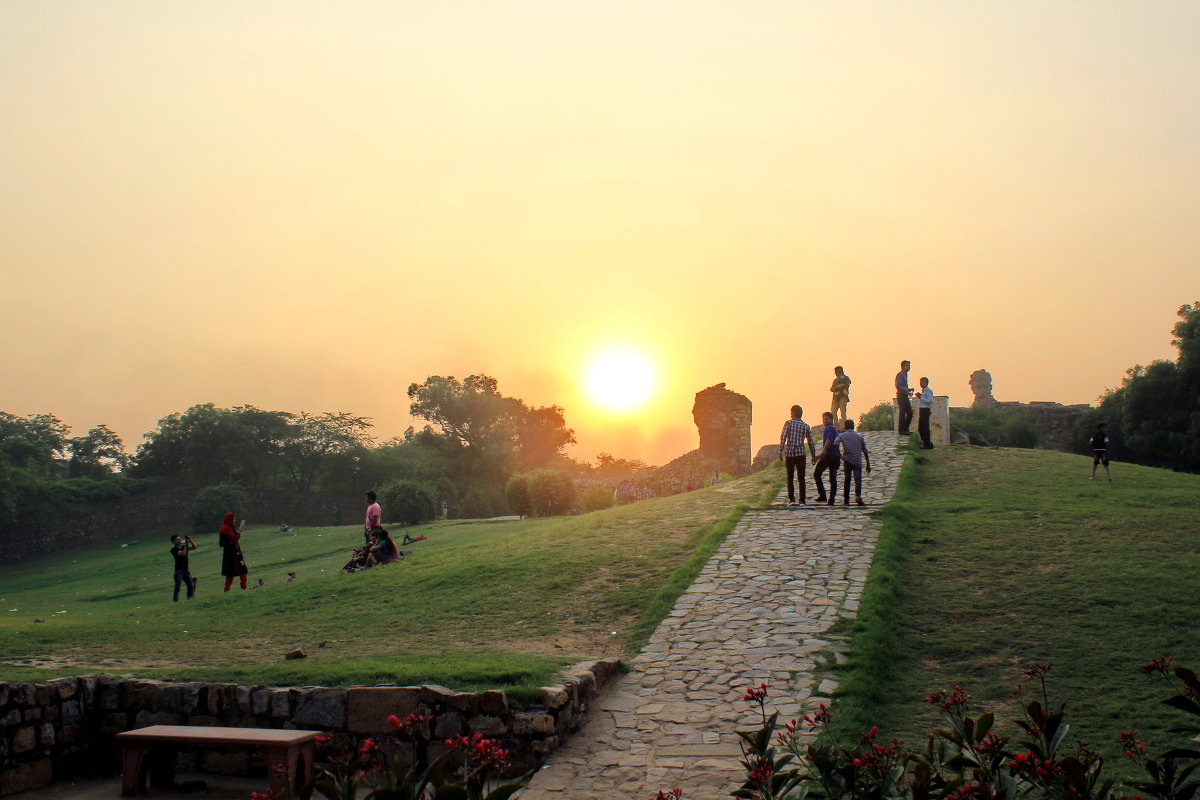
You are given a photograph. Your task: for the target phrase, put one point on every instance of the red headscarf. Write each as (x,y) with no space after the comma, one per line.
(227,528)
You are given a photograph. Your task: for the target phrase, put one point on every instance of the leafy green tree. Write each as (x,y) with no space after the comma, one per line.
(37,442)
(519,494)
(204,445)
(211,505)
(408,502)
(322,446)
(609,466)
(877,418)
(551,492)
(99,453)
(595,498)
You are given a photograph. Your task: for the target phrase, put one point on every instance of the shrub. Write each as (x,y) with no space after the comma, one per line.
(1001,426)
(479,501)
(878,418)
(519,493)
(211,504)
(551,492)
(408,502)
(595,498)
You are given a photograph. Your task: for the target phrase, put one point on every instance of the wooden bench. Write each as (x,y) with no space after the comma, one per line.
(289,754)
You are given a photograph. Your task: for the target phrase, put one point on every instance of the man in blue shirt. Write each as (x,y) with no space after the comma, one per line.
(902,395)
(828,460)
(791,451)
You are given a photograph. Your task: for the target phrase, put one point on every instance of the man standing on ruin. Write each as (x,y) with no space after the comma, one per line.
(841,395)
(924,410)
(902,394)
(791,452)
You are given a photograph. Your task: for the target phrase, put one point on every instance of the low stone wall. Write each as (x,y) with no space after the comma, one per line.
(66,727)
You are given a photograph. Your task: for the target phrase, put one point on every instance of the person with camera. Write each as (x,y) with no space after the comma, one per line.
(179,550)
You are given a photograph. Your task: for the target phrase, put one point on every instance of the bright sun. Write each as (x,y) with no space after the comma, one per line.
(619,380)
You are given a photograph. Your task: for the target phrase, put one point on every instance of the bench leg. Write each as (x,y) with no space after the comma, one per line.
(290,768)
(133,769)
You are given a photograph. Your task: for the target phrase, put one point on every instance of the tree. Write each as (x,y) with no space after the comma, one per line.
(609,466)
(204,445)
(37,442)
(494,434)
(324,445)
(97,454)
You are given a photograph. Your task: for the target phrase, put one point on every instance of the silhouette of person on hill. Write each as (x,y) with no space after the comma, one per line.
(830,459)
(374,520)
(854,452)
(903,393)
(924,411)
(1099,452)
(841,394)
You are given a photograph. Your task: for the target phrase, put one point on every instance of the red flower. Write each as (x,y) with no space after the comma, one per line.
(487,752)
(1158,665)
(408,725)
(948,700)
(761,774)
(817,719)
(964,791)
(368,746)
(990,745)
(673,794)
(1036,670)
(756,695)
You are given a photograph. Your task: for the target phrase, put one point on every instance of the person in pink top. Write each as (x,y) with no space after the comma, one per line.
(374,519)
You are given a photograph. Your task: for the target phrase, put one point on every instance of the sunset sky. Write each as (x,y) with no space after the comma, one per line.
(311,205)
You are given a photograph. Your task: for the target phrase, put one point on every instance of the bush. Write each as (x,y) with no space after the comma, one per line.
(479,501)
(211,505)
(1000,426)
(595,498)
(551,492)
(408,502)
(519,493)
(878,418)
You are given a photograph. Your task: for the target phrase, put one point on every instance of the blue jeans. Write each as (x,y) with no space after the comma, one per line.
(851,471)
(183,575)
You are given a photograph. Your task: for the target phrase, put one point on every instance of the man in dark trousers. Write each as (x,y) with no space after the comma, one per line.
(828,460)
(924,410)
(791,451)
(180,550)
(902,395)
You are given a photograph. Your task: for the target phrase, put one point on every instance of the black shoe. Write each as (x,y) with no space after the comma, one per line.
(821,498)
(859,500)
(904,433)
(846,502)
(803,502)
(926,447)
(831,501)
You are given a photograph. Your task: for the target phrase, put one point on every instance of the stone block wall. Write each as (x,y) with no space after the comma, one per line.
(723,418)
(156,512)
(66,727)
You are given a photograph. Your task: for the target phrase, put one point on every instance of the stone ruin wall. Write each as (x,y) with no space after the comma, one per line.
(66,728)
(723,420)
(1055,422)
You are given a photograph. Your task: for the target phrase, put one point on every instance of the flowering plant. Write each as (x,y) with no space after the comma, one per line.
(965,758)
(396,767)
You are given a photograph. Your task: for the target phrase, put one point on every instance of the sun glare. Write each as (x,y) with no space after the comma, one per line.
(619,380)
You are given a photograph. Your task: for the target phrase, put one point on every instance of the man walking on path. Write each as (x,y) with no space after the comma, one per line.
(841,394)
(1100,450)
(179,551)
(791,451)
(902,394)
(854,452)
(828,460)
(924,409)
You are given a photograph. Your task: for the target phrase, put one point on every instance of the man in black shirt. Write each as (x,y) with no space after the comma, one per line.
(180,550)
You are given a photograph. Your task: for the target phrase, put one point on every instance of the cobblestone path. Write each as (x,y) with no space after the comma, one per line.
(759,611)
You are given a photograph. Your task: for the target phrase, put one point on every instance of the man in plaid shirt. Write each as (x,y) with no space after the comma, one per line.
(791,451)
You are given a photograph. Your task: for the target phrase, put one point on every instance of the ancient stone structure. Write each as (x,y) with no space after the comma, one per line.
(66,727)
(981,385)
(1055,422)
(939,419)
(724,418)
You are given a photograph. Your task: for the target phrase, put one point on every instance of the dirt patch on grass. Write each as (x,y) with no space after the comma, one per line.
(104,664)
(582,644)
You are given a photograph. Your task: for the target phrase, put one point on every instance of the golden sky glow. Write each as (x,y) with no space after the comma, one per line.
(308,206)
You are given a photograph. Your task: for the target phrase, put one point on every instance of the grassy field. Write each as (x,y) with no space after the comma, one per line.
(993,559)
(480,604)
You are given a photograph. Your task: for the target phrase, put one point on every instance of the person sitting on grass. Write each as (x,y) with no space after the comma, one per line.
(384,551)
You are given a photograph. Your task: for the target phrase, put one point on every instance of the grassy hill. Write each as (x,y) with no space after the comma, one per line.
(993,559)
(479,604)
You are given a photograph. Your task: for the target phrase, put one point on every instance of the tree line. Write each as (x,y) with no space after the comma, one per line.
(473,441)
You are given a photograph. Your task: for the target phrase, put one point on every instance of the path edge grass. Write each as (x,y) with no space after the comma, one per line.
(866,676)
(708,538)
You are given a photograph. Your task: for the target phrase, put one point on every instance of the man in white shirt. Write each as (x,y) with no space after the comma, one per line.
(924,409)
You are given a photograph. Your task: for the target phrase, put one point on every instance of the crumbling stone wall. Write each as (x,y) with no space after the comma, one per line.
(66,727)
(723,418)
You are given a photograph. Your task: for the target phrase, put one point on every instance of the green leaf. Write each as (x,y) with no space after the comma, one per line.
(984,724)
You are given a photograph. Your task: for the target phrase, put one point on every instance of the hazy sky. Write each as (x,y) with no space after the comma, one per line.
(310,205)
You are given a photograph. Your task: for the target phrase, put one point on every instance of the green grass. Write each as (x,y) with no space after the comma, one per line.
(990,560)
(480,604)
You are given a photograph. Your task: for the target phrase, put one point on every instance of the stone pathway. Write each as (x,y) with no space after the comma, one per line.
(760,610)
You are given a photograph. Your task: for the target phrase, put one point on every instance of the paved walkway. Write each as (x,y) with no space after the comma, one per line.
(760,610)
